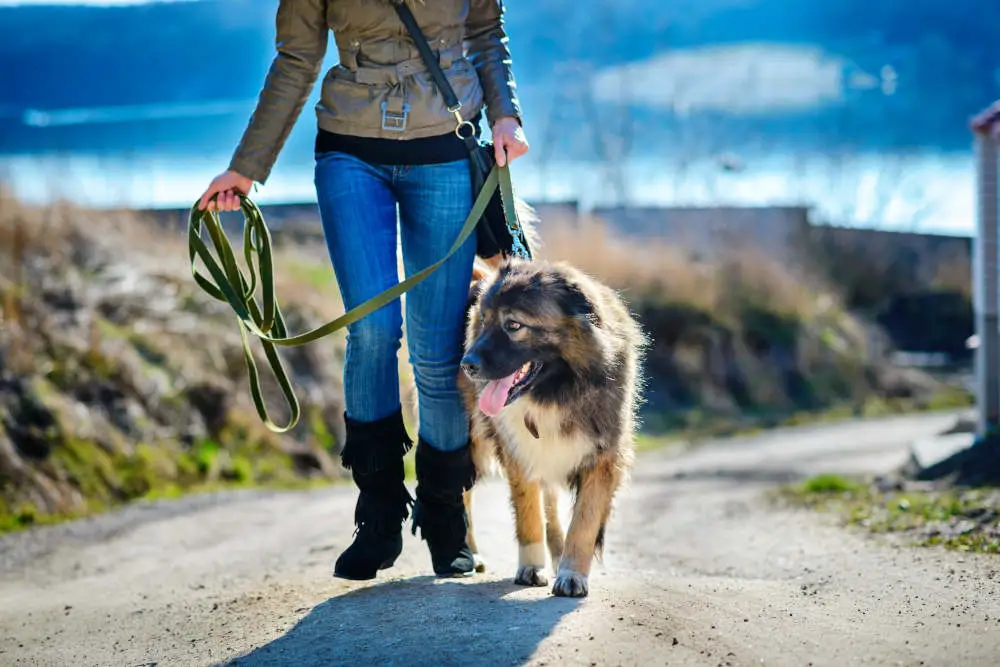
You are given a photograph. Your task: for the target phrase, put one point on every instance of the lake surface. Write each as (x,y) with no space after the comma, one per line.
(917,192)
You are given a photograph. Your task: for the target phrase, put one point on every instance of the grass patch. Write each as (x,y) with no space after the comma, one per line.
(155,471)
(957,519)
(26,515)
(311,274)
(646,443)
(831,484)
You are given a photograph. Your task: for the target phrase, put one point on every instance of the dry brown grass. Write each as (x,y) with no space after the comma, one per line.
(109,345)
(954,274)
(871,267)
(63,231)
(36,240)
(653,270)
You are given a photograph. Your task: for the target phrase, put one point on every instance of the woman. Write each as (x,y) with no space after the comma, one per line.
(385,140)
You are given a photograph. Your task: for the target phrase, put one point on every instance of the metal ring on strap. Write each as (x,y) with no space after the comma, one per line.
(462,123)
(472,130)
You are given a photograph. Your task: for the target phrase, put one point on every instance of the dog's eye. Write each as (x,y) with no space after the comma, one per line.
(511,325)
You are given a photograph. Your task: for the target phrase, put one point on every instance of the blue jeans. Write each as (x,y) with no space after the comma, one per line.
(358,204)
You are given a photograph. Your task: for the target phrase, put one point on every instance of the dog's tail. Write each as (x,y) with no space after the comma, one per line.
(599,543)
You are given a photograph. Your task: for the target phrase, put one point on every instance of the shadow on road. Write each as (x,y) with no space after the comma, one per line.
(741,475)
(419,621)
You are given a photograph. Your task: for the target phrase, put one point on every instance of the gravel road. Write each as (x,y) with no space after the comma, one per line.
(699,570)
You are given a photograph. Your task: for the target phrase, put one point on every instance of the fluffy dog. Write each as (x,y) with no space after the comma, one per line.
(551,382)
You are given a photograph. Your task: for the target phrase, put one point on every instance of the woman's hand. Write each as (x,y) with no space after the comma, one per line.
(226,185)
(508,140)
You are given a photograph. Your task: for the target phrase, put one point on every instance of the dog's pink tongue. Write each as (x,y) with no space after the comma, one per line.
(494,396)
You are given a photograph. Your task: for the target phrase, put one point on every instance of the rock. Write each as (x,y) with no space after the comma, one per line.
(133,378)
(310,460)
(212,402)
(887,483)
(928,452)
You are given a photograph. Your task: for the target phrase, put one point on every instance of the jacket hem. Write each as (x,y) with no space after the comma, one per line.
(340,126)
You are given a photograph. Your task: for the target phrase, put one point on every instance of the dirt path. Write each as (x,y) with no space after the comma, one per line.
(698,571)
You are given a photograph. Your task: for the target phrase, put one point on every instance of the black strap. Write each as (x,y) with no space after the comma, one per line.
(406,16)
(478,165)
(434,67)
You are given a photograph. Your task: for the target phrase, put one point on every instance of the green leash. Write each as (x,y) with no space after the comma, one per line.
(229,284)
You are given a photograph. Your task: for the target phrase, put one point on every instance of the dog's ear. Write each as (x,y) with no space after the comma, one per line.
(481,274)
(475,293)
(480,271)
(573,300)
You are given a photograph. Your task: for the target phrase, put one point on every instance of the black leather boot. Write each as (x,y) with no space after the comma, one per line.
(373,452)
(439,512)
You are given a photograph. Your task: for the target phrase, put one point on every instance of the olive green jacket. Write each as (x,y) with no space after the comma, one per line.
(380,88)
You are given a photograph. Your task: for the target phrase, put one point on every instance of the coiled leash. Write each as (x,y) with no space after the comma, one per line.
(264,320)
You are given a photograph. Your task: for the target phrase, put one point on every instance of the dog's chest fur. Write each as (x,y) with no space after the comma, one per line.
(554,455)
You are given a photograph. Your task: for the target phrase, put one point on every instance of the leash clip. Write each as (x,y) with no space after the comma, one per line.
(518,247)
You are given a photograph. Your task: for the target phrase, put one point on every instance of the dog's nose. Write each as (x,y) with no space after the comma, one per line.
(470,364)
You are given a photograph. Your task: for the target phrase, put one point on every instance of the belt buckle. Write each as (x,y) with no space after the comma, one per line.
(395,121)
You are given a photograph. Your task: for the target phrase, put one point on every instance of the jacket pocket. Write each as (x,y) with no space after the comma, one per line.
(426,96)
(347,100)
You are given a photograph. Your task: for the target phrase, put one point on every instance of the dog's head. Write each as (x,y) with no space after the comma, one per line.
(530,329)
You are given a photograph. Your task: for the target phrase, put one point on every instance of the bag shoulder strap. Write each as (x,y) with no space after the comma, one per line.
(406,16)
(469,138)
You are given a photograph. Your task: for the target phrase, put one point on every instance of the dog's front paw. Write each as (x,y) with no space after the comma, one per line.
(531,575)
(570,584)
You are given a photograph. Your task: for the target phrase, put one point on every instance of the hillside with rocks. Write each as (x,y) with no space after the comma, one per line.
(120,379)
(742,341)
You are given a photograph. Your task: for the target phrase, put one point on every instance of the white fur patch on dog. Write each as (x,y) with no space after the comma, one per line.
(551,457)
(531,554)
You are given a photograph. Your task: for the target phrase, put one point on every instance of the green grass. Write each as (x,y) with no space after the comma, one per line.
(26,515)
(646,443)
(825,484)
(313,274)
(958,519)
(155,471)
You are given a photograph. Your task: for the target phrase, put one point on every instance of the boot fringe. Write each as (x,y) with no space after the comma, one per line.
(384,514)
(373,446)
(443,475)
(437,525)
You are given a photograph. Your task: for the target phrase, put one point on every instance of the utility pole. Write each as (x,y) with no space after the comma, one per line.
(985,279)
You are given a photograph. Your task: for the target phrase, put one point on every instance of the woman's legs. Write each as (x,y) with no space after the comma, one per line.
(358,211)
(434,201)
(358,207)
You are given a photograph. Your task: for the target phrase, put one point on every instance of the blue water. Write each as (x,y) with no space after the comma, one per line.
(931,193)
(164,155)
(856,109)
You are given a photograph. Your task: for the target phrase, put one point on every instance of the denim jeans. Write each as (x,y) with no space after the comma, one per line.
(358,206)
